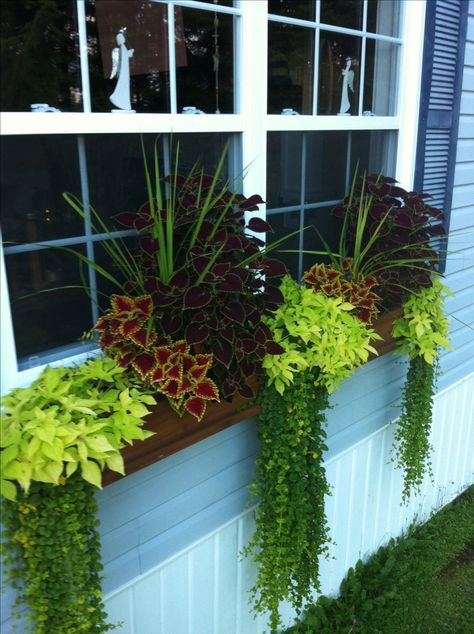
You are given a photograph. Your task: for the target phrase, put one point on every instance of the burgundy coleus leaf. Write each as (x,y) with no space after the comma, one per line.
(435,213)
(436,230)
(174,372)
(248,345)
(273,295)
(200,263)
(196,407)
(247,368)
(221,269)
(234,311)
(207,390)
(274,268)
(263,334)
(143,338)
(404,220)
(246,391)
(197,297)
(122,303)
(149,245)
(180,280)
(250,204)
(129,327)
(144,363)
(228,333)
(142,223)
(203,360)
(233,243)
(231,284)
(125,360)
(126,219)
(258,225)
(107,340)
(162,355)
(197,373)
(272,347)
(171,323)
(162,299)
(171,388)
(180,347)
(196,333)
(339,211)
(157,375)
(223,352)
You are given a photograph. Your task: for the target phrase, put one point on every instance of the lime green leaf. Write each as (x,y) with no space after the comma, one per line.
(91,472)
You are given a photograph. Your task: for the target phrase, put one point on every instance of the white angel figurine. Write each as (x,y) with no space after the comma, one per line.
(347,84)
(120,68)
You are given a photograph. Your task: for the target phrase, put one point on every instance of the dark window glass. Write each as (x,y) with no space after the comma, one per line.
(301,9)
(116,172)
(339,65)
(39,61)
(147,34)
(226,3)
(325,149)
(329,160)
(44,319)
(380,80)
(283,224)
(34,173)
(284,168)
(290,68)
(383,16)
(346,13)
(204,60)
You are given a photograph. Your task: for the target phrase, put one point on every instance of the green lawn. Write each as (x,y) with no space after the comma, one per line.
(423,583)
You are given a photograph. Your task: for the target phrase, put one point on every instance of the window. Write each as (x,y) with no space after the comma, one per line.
(199,70)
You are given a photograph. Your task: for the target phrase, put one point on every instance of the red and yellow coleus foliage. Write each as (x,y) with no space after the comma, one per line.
(128,334)
(333,282)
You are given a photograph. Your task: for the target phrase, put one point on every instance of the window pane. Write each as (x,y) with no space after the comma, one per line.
(325,149)
(46,320)
(226,3)
(283,224)
(301,9)
(34,173)
(383,16)
(330,160)
(346,13)
(116,172)
(147,34)
(204,60)
(284,155)
(40,56)
(338,91)
(328,226)
(290,68)
(380,83)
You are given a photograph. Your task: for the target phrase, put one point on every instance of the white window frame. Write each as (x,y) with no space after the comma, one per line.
(251,121)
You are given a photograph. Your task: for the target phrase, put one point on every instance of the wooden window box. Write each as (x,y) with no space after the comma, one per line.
(173,433)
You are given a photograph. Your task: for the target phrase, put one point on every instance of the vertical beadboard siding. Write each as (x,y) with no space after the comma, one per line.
(204,588)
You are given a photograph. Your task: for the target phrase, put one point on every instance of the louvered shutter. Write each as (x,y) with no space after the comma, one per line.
(443,58)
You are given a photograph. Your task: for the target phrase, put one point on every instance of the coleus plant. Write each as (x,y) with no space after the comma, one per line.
(128,334)
(389,231)
(205,274)
(334,282)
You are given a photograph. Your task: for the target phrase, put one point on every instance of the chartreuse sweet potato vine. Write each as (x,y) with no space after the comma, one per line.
(421,330)
(323,343)
(57,437)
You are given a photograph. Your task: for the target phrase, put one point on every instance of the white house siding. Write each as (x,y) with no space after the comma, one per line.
(172,533)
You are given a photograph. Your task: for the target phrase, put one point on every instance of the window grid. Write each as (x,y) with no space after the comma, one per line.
(250,120)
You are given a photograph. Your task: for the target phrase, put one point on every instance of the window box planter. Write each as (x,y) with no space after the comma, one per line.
(173,433)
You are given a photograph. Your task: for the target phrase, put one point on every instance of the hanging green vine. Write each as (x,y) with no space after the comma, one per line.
(422,330)
(52,546)
(322,342)
(57,437)
(291,527)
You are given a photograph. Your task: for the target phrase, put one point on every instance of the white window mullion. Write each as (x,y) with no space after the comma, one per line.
(254,97)
(82,30)
(172,59)
(8,362)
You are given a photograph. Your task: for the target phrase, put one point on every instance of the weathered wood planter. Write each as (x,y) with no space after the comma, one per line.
(173,433)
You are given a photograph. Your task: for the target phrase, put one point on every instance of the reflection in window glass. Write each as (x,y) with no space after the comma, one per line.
(380,81)
(34,173)
(290,68)
(40,55)
(329,160)
(147,35)
(383,16)
(338,92)
(301,9)
(346,13)
(204,60)
(46,320)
